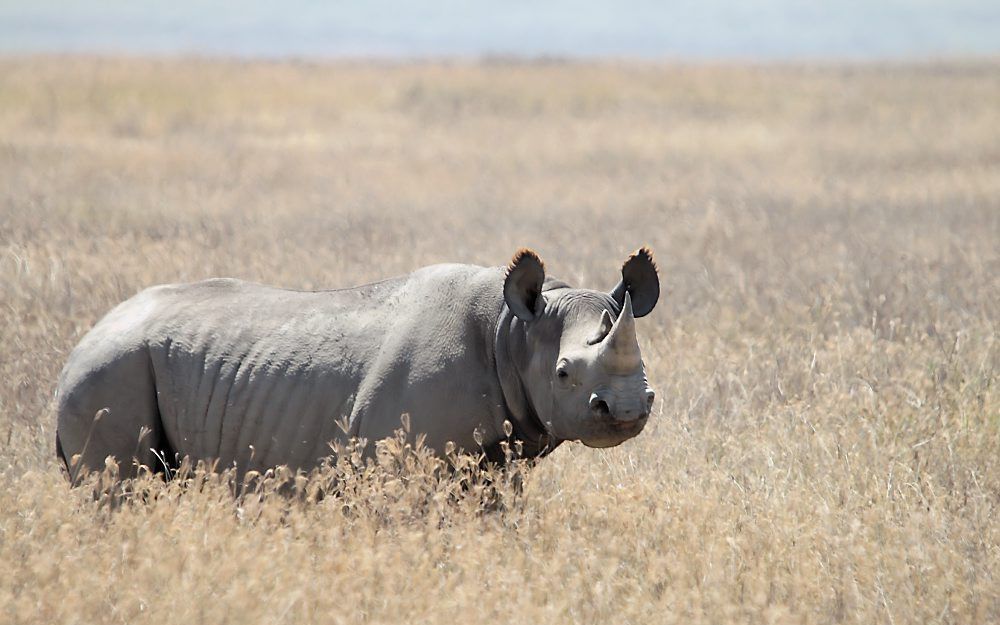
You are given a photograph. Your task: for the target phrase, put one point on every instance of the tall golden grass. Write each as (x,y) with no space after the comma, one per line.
(826,442)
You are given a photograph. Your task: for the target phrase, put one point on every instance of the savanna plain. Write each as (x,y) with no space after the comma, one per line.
(825,446)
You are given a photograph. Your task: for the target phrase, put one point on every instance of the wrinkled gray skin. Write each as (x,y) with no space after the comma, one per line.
(256,376)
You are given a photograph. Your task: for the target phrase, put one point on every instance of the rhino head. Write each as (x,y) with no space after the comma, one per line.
(577,359)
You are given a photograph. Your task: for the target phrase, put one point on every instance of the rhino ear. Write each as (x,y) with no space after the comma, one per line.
(522,288)
(640,281)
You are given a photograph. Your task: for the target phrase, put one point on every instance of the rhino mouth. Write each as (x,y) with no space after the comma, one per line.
(627,426)
(612,432)
(624,430)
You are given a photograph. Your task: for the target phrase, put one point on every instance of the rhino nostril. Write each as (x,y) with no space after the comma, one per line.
(650,398)
(599,406)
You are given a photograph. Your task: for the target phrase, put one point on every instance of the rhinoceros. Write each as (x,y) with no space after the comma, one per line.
(253,376)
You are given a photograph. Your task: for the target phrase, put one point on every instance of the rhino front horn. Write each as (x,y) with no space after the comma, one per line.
(620,348)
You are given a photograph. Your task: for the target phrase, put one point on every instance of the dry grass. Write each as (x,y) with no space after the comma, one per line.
(827,442)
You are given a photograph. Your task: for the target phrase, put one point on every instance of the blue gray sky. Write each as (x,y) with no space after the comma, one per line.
(678,29)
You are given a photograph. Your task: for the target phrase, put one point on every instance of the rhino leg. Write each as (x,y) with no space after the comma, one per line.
(107,407)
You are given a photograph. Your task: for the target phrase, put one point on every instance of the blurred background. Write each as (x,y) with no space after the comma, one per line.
(697,29)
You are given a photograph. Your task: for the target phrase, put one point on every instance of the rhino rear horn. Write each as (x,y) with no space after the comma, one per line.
(522,288)
(603,330)
(640,280)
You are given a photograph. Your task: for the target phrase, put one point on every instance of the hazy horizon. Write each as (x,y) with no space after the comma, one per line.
(646,29)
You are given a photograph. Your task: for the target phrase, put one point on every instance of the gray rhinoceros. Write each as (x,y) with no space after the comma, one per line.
(255,376)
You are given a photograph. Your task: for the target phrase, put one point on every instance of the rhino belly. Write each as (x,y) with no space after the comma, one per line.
(252,413)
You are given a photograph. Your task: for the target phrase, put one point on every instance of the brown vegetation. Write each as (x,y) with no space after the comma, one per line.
(826,445)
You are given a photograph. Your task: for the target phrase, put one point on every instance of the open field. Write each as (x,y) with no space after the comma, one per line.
(826,443)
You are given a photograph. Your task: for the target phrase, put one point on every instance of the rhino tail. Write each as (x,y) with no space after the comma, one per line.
(61,454)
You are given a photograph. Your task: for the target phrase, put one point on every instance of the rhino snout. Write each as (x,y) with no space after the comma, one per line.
(603,406)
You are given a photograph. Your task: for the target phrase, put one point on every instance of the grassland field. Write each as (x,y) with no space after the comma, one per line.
(825,446)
